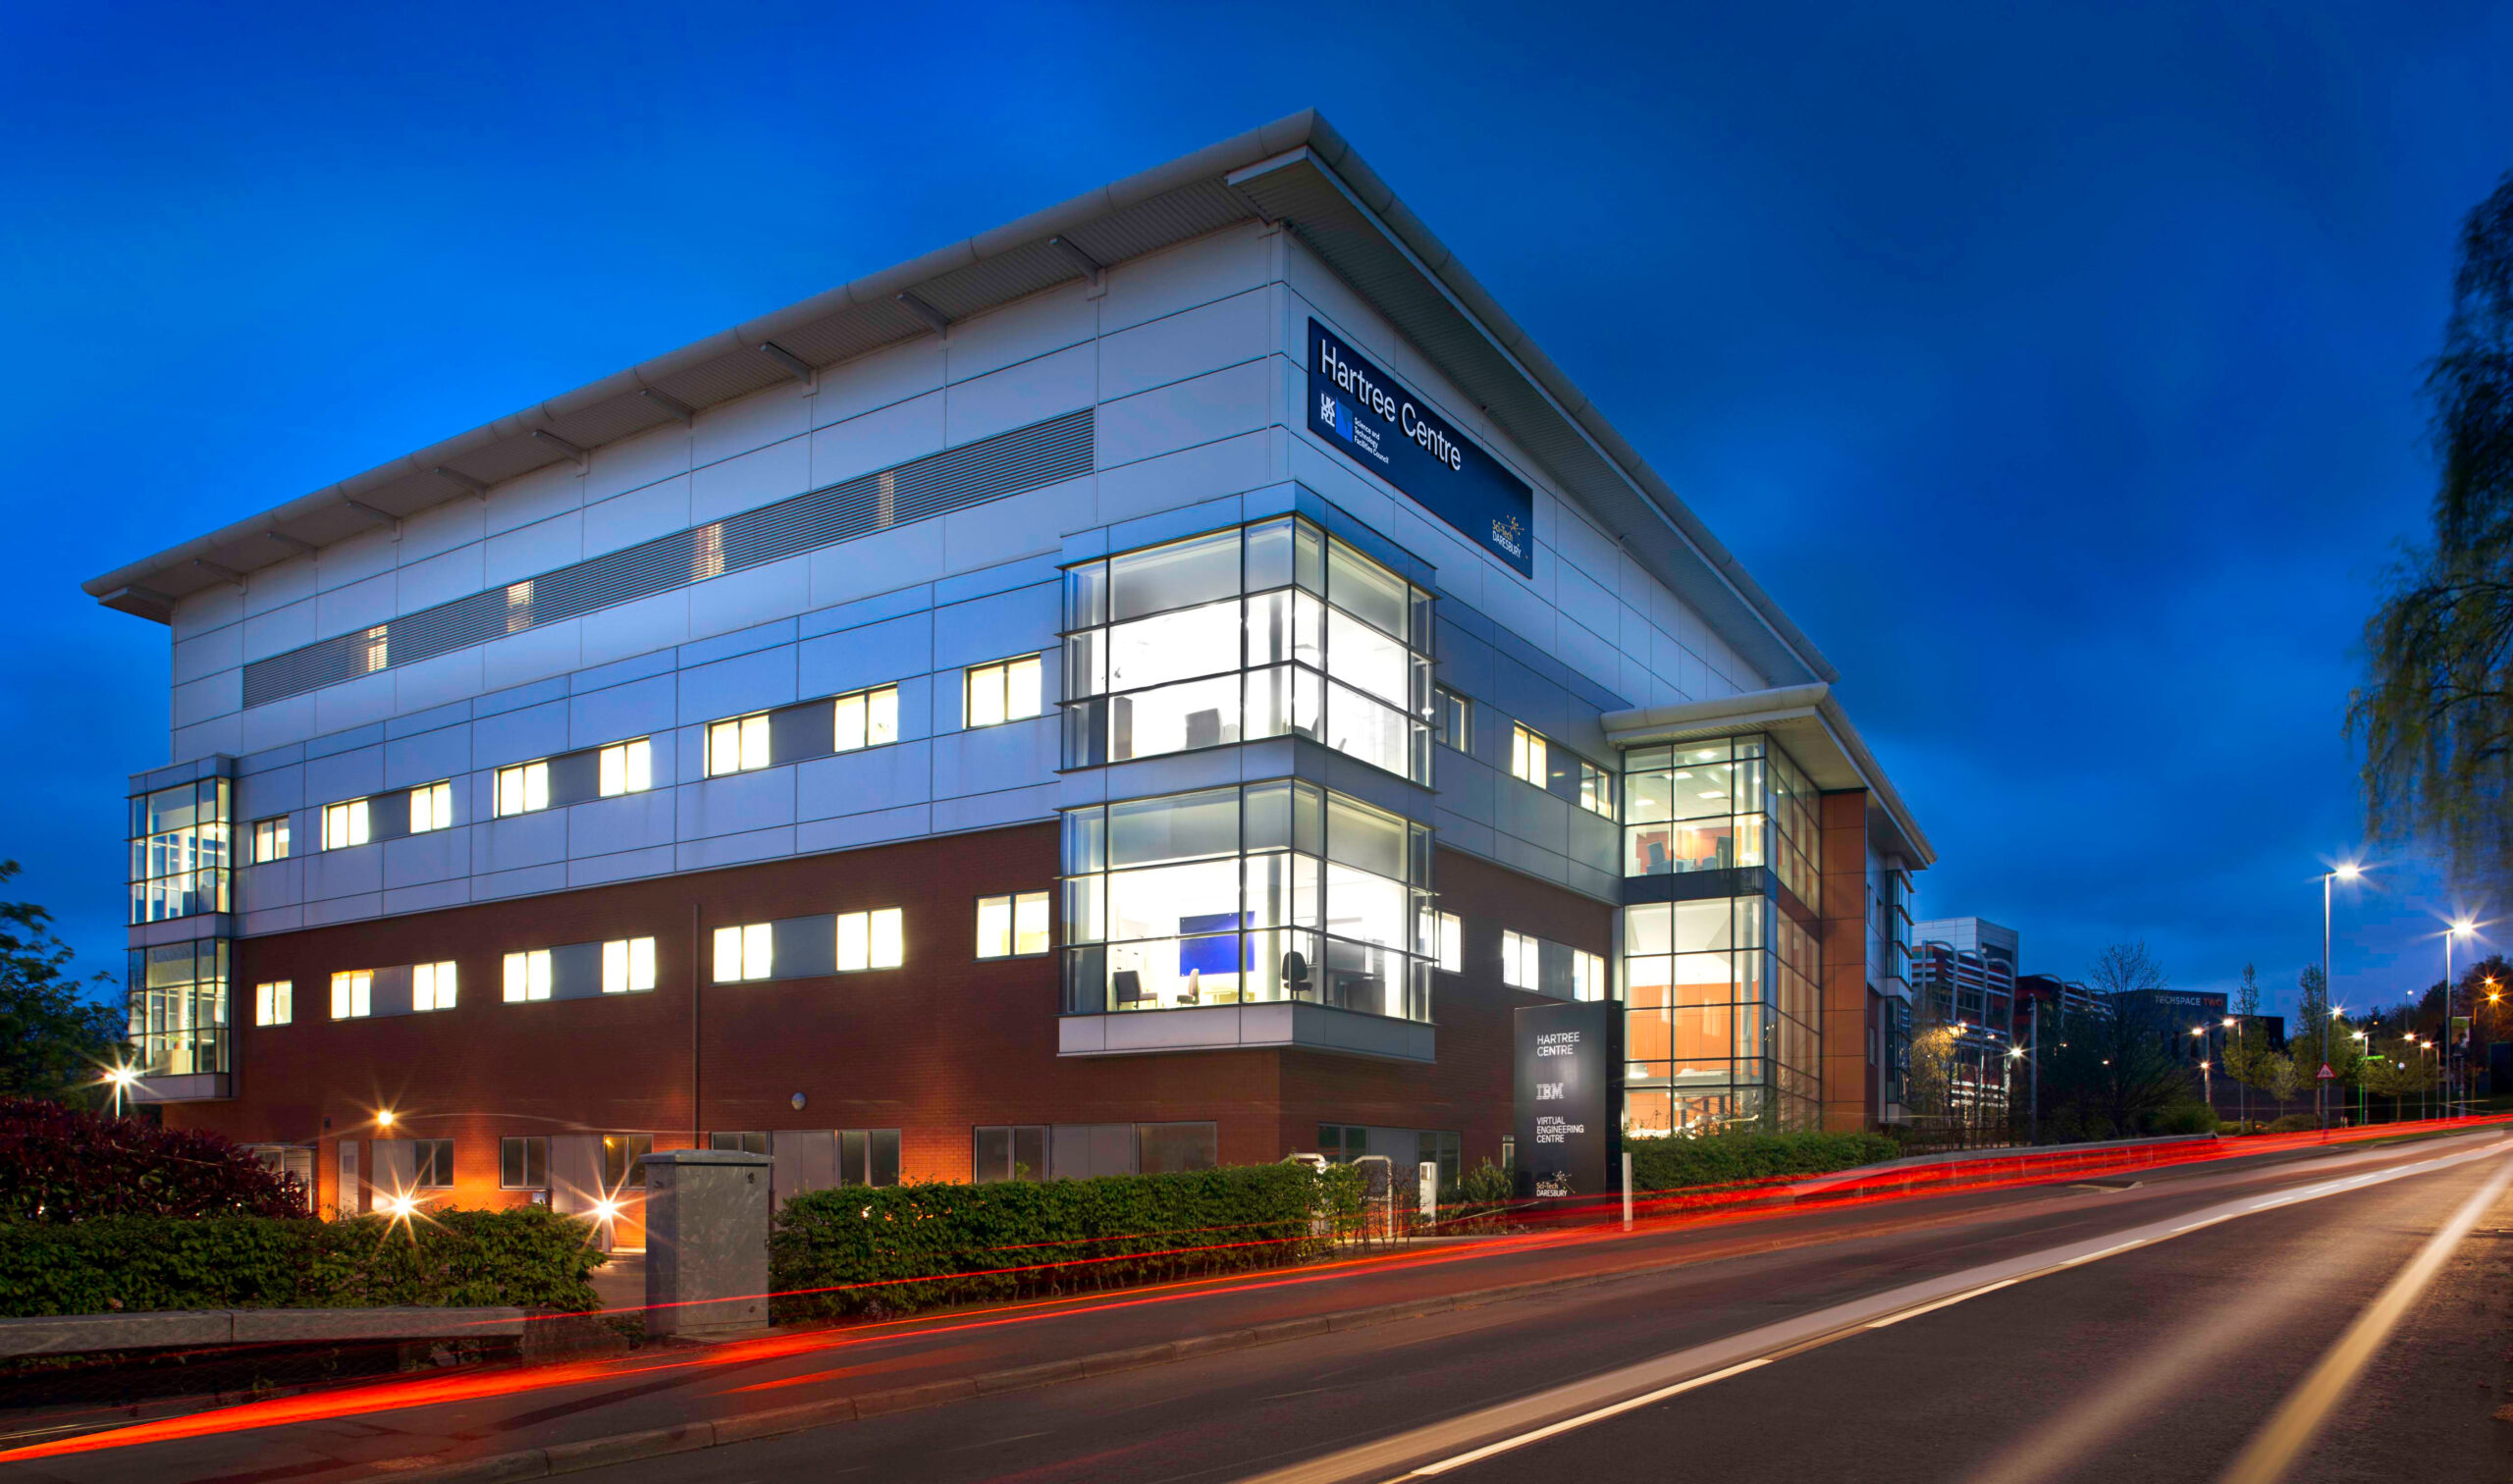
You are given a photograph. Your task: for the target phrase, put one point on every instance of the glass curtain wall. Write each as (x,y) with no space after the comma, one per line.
(179,1008)
(1274,629)
(1722,1007)
(179,850)
(1263,892)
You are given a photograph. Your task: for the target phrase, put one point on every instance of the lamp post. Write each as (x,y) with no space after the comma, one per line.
(2460,929)
(2242,1088)
(2363,1110)
(2345,871)
(122,1078)
(2207,1088)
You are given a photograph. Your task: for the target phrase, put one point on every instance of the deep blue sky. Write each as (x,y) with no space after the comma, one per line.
(2057,372)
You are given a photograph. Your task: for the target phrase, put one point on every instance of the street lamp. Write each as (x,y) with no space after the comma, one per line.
(2207,1088)
(2242,1090)
(2345,871)
(2461,928)
(122,1077)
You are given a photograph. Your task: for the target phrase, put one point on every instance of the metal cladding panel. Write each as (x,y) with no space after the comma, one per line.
(1008,463)
(610,420)
(722,379)
(982,285)
(851,332)
(1165,221)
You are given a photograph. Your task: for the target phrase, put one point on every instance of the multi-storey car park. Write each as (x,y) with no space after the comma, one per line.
(1156,684)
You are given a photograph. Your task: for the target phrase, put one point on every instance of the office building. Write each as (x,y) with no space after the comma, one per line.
(1154,684)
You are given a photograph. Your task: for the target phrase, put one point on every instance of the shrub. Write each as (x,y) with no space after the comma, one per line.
(57,1164)
(527,1257)
(2190,1117)
(2294,1123)
(1668,1164)
(1485,1185)
(903,1248)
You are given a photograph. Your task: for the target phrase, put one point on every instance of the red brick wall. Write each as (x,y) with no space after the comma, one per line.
(933,1048)
(1849,1091)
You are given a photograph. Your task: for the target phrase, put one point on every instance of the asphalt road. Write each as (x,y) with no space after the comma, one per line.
(1987,1336)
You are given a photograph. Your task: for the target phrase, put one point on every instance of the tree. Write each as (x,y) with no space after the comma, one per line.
(2435,713)
(53,1038)
(2105,1075)
(2247,1053)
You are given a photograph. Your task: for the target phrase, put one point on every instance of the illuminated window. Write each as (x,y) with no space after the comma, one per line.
(870,941)
(270,839)
(1452,720)
(432,1164)
(527,975)
(353,995)
(274,1003)
(344,824)
(524,788)
(867,718)
(1597,789)
(432,987)
(629,966)
(1526,757)
(628,767)
(747,952)
(432,807)
(1587,976)
(1012,927)
(1521,956)
(1003,692)
(737,746)
(1451,944)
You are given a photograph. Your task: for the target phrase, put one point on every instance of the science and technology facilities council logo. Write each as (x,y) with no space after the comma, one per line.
(1506,534)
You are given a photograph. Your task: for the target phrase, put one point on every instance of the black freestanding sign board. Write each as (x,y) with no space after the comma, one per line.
(1565,1094)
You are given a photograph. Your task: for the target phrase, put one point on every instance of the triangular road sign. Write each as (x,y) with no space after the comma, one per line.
(2323,1074)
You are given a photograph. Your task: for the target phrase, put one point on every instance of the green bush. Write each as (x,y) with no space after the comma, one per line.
(2191,1117)
(905,1248)
(2294,1123)
(1671,1164)
(449,1259)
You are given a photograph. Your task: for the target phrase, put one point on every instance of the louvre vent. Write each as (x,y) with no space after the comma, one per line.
(1008,463)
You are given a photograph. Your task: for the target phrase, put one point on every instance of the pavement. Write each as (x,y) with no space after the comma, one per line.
(2009,1335)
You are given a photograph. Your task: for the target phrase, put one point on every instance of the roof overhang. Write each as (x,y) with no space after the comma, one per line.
(1809,724)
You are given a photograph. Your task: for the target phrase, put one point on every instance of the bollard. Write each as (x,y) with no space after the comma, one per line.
(1626,1190)
(706,1243)
(1428,1182)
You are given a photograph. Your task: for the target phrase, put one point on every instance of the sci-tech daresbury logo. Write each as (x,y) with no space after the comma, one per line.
(1378,423)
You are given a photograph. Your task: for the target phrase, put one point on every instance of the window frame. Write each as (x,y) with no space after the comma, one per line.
(266,834)
(628,965)
(353,995)
(527,1146)
(1530,750)
(431,1158)
(868,705)
(635,759)
(999,676)
(433,802)
(1014,905)
(1452,719)
(275,1002)
(513,789)
(742,731)
(1449,943)
(746,937)
(442,986)
(524,969)
(871,921)
(355,821)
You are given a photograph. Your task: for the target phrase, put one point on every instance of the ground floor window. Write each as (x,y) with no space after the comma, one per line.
(1083,1152)
(523,1163)
(432,1164)
(1008,1151)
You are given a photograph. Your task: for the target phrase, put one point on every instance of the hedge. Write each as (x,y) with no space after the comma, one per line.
(527,1257)
(904,1247)
(1671,1164)
(61,1164)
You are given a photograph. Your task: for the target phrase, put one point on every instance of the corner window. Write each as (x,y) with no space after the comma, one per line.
(1007,691)
(867,718)
(1452,720)
(353,995)
(179,850)
(523,1163)
(626,768)
(737,746)
(344,824)
(1451,944)
(1012,927)
(871,940)
(274,1003)
(1519,958)
(432,1164)
(432,987)
(527,975)
(747,952)
(521,789)
(1527,762)
(629,966)
(270,839)
(432,806)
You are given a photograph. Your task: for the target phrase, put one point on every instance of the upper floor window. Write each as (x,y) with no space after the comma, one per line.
(1721,805)
(746,952)
(274,1003)
(1528,761)
(1452,934)
(1012,927)
(522,789)
(1520,961)
(353,995)
(179,850)
(1452,720)
(626,768)
(432,987)
(1597,789)
(629,966)
(345,824)
(1271,630)
(1005,691)
(1529,962)
(527,975)
(270,839)
(874,939)
(867,718)
(431,807)
(737,746)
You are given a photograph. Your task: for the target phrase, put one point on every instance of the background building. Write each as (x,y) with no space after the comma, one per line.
(1154,684)
(1964,986)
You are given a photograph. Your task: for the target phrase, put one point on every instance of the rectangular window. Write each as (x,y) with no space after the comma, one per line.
(270,839)
(628,767)
(432,807)
(344,824)
(867,718)
(737,746)
(274,1003)
(1519,958)
(1452,720)
(1452,946)
(1012,927)
(870,941)
(179,851)
(1597,789)
(353,995)
(1017,1151)
(432,1164)
(1527,762)
(1007,691)
(1587,976)
(747,1143)
(522,789)
(523,1163)
(432,987)
(747,952)
(527,975)
(629,966)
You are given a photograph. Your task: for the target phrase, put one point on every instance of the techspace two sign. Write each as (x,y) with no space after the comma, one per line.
(1384,428)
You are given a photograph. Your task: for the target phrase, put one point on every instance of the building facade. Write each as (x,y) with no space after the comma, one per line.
(1964,978)
(1154,685)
